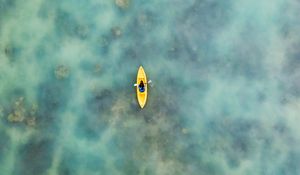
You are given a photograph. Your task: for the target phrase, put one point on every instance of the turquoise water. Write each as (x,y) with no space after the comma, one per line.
(225,96)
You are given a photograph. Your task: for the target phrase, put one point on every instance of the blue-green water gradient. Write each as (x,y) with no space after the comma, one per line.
(225,96)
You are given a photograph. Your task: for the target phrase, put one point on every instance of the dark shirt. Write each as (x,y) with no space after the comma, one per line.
(142,87)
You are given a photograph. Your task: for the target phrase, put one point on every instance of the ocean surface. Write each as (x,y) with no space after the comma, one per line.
(225,98)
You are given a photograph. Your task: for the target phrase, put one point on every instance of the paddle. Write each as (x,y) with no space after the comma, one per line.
(150,83)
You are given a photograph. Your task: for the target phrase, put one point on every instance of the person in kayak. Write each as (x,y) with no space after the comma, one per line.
(142,86)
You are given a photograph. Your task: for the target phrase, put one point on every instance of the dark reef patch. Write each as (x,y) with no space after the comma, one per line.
(91,126)
(92,68)
(206,16)
(104,44)
(53,96)
(100,101)
(68,25)
(73,160)
(212,15)
(13,94)
(291,70)
(5,143)
(291,163)
(143,23)
(35,156)
(12,52)
(238,139)
(223,100)
(130,167)
(5,7)
(140,31)
(252,54)
(47,9)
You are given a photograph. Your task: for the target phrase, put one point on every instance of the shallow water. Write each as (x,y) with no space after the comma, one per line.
(225,96)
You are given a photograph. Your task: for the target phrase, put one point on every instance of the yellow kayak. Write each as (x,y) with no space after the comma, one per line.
(141,88)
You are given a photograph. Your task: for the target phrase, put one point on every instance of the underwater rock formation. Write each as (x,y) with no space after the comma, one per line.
(61,72)
(225,101)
